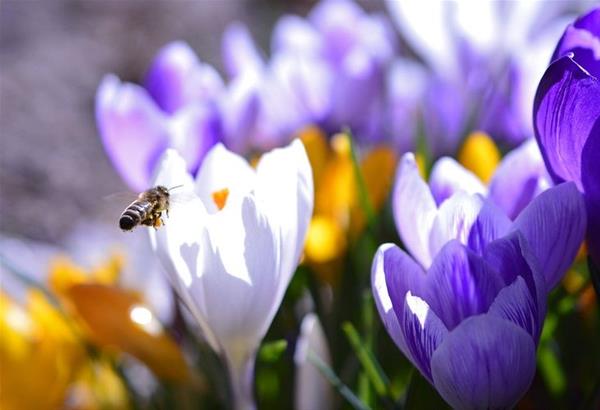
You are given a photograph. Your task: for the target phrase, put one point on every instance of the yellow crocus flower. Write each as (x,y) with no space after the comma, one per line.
(338,214)
(116,319)
(480,155)
(40,354)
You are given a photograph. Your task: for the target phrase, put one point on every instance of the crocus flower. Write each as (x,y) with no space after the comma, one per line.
(112,317)
(231,248)
(176,108)
(469,323)
(34,335)
(452,207)
(328,69)
(100,309)
(312,390)
(483,58)
(567,116)
(339,216)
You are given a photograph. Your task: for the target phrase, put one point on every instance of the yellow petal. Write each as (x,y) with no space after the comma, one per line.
(317,149)
(39,354)
(337,191)
(108,272)
(480,154)
(64,274)
(325,240)
(118,318)
(378,169)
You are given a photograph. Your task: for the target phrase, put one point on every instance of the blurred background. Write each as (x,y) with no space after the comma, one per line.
(54,172)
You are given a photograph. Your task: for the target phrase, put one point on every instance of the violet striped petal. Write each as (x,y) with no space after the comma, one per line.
(485,363)
(460,284)
(554,226)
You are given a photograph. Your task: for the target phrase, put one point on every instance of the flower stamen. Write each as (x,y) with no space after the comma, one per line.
(220,198)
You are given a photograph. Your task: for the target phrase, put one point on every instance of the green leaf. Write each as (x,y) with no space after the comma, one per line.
(271,351)
(335,381)
(551,370)
(372,368)
(363,194)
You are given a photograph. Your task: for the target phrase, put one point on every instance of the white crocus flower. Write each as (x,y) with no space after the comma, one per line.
(232,245)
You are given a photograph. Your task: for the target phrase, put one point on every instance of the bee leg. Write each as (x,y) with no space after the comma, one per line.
(158,222)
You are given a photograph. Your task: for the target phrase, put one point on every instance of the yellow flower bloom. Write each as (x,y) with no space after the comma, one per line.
(480,155)
(97,387)
(114,318)
(40,354)
(338,214)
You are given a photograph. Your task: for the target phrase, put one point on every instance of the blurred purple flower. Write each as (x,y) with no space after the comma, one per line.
(178,109)
(327,70)
(453,207)
(470,323)
(483,58)
(567,116)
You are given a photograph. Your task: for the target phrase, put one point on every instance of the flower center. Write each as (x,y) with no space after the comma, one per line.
(220,197)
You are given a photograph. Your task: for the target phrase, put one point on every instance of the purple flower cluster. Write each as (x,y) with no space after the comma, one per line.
(326,70)
(466,300)
(467,303)
(482,61)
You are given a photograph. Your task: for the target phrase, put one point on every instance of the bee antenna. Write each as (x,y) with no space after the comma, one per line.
(175,187)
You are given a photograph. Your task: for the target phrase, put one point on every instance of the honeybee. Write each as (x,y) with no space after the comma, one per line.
(147,209)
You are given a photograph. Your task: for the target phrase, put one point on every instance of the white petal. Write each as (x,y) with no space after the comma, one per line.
(312,390)
(454,220)
(284,189)
(237,277)
(448,177)
(383,300)
(222,169)
(293,33)
(414,209)
(478,21)
(427,29)
(179,242)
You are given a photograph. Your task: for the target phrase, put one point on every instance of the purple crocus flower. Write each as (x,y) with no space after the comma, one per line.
(326,70)
(567,116)
(468,309)
(452,206)
(470,323)
(176,109)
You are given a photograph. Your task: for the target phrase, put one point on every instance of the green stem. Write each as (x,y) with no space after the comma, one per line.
(369,363)
(329,374)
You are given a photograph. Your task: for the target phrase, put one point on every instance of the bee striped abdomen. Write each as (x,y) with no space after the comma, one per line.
(135,214)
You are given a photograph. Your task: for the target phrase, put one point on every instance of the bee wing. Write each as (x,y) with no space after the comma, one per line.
(182,197)
(118,197)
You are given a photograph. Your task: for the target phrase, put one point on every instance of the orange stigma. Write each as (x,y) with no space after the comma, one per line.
(220,198)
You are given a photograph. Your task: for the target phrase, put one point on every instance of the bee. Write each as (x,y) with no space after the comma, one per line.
(147,209)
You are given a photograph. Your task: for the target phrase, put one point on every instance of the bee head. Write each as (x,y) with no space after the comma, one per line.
(163,190)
